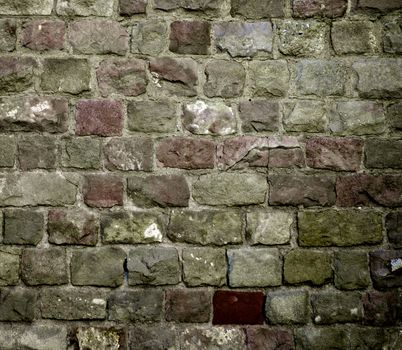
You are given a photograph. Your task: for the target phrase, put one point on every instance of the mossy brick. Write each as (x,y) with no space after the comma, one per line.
(16,73)
(98,267)
(18,304)
(190,37)
(305,116)
(259,115)
(26,7)
(351,270)
(157,336)
(8,151)
(373,6)
(84,8)
(42,35)
(81,153)
(190,5)
(256,9)
(394,115)
(223,338)
(149,38)
(290,307)
(307,266)
(132,7)
(23,226)
(341,228)
(393,225)
(383,153)
(37,152)
(393,35)
(314,338)
(103,190)
(269,78)
(319,8)
(8,35)
(9,266)
(369,337)
(98,337)
(44,266)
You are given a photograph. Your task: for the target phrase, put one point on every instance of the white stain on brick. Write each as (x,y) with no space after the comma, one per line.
(152,231)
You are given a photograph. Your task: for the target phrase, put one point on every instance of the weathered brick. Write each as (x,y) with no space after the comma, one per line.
(204,266)
(209,118)
(41,35)
(17,304)
(132,7)
(238,307)
(305,116)
(254,268)
(307,266)
(243,39)
(153,266)
(44,266)
(159,337)
(188,305)
(193,5)
(222,338)
(259,115)
(286,158)
(380,308)
(16,73)
(230,189)
(81,153)
(261,338)
(8,37)
(393,225)
(319,8)
(190,37)
(10,266)
(149,38)
(23,226)
(99,117)
(345,227)
(385,266)
(205,227)
(84,8)
(186,153)
(287,307)
(258,8)
(351,270)
(72,226)
(393,36)
(382,6)
(394,114)
(70,75)
(96,338)
(269,78)
(8,151)
(103,190)
(382,153)
(368,337)
(37,151)
(97,36)
(314,338)
(26,7)
(306,190)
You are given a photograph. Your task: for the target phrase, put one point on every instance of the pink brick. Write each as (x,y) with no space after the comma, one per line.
(103,190)
(43,35)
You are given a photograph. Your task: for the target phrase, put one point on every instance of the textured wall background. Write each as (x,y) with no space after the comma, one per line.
(200,174)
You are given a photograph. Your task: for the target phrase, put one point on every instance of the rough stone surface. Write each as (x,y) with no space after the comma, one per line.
(10,266)
(23,226)
(351,270)
(84,8)
(260,338)
(269,78)
(287,307)
(8,30)
(152,337)
(319,8)
(392,36)
(42,35)
(257,8)
(193,5)
(380,308)
(18,304)
(259,115)
(16,73)
(149,38)
(103,190)
(8,151)
(385,268)
(394,114)
(305,116)
(91,337)
(132,7)
(37,152)
(188,305)
(321,338)
(222,338)
(81,153)
(380,153)
(26,7)
(190,37)
(393,225)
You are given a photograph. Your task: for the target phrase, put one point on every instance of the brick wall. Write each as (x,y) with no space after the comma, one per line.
(200,174)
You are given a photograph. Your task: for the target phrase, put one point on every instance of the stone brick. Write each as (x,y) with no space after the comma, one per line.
(132,7)
(269,78)
(354,37)
(319,8)
(369,190)
(259,115)
(17,304)
(149,38)
(122,76)
(393,36)
(269,227)
(16,73)
(129,154)
(151,116)
(8,151)
(153,266)
(208,118)
(73,303)
(243,39)
(98,36)
(382,153)
(286,158)
(299,38)
(204,266)
(23,226)
(351,270)
(186,153)
(188,305)
(305,116)
(306,190)
(379,78)
(160,190)
(73,226)
(321,77)
(193,5)
(341,228)
(382,6)
(97,338)
(385,266)
(334,153)
(37,151)
(8,29)
(98,267)
(230,189)
(190,37)
(103,190)
(81,153)
(393,225)
(394,114)
(367,338)
(254,268)
(205,227)
(176,76)
(10,266)
(70,75)
(380,308)
(135,305)
(84,8)
(44,266)
(307,266)
(314,338)
(260,338)
(26,7)
(99,117)
(238,307)
(54,189)
(287,307)
(133,227)
(357,118)
(222,338)
(41,35)
(158,337)
(258,9)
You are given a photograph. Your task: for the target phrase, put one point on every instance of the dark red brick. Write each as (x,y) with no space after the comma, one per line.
(190,37)
(99,117)
(386,270)
(132,7)
(43,35)
(103,190)
(238,307)
(286,158)
(260,338)
(319,8)
(380,308)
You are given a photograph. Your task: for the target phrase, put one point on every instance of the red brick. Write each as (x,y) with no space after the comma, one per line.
(380,308)
(286,158)
(43,35)
(103,190)
(319,8)
(132,7)
(190,37)
(260,338)
(99,117)
(238,307)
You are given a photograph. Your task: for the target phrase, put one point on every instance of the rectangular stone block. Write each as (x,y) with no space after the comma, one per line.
(103,8)
(258,8)
(18,304)
(81,153)
(385,267)
(26,7)
(290,307)
(351,270)
(16,74)
(9,266)
(23,226)
(8,35)
(8,151)
(191,305)
(382,153)
(37,151)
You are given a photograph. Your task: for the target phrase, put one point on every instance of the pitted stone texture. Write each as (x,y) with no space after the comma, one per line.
(254,268)
(98,36)
(321,338)
(256,9)
(209,118)
(260,338)
(41,35)
(37,151)
(122,76)
(71,75)
(370,338)
(305,116)
(380,308)
(8,37)
(190,37)
(23,226)
(259,115)
(54,189)
(383,153)
(103,190)
(393,224)
(18,304)
(243,39)
(393,36)
(149,38)
(204,266)
(394,115)
(26,7)
(133,227)
(8,151)
(81,153)
(351,270)
(385,268)
(269,78)
(132,7)
(205,227)
(230,189)
(10,266)
(155,337)
(374,5)
(188,305)
(16,73)
(297,38)
(84,8)
(319,8)
(286,158)
(193,5)
(99,338)
(269,227)
(153,266)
